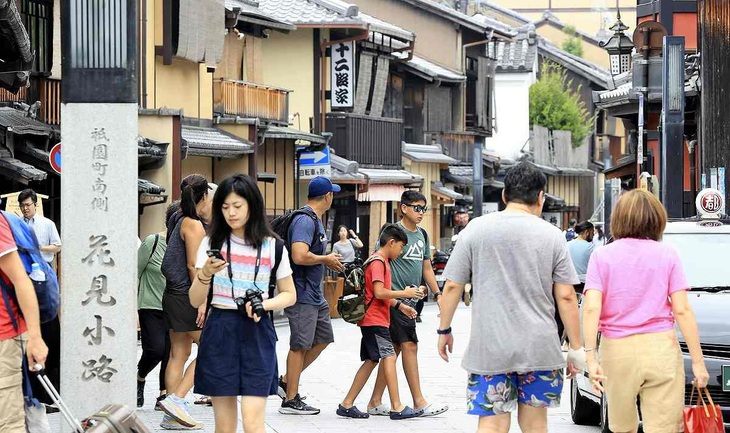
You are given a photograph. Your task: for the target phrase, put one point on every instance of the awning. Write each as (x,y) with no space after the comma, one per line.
(287,133)
(444,194)
(381,193)
(382,176)
(565,171)
(426,153)
(150,193)
(17,122)
(554,201)
(346,171)
(212,142)
(19,171)
(151,153)
(463,175)
(250,13)
(432,72)
(625,166)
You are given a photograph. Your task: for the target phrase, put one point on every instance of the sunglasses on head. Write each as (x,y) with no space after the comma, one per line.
(418,208)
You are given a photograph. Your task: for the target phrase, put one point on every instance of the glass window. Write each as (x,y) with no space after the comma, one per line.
(703,257)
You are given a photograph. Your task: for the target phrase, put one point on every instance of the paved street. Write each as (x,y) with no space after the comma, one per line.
(327,381)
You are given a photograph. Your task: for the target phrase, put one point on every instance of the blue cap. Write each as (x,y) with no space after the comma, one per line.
(321,185)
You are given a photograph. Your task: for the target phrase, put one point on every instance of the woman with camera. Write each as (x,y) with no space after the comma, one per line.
(237,354)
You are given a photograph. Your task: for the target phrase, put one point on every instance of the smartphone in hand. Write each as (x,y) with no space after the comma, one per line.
(215,253)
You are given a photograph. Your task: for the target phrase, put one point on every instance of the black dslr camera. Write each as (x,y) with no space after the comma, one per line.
(254,297)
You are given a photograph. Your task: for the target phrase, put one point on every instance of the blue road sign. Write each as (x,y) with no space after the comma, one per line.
(319,157)
(315,163)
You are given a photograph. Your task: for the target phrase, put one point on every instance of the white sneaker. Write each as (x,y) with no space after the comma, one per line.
(176,408)
(169,423)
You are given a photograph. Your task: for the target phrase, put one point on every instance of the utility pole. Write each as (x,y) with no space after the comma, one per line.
(99,203)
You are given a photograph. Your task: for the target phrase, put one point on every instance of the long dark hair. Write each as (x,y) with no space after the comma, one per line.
(193,188)
(257,227)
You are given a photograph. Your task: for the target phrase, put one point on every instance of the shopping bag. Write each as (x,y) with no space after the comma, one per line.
(703,418)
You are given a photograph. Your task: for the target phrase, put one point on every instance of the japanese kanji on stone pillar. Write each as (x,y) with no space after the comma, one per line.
(98,204)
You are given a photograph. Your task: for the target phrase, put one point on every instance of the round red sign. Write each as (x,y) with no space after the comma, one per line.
(710,201)
(54,158)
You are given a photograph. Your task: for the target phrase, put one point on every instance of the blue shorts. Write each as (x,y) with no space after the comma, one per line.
(236,356)
(498,394)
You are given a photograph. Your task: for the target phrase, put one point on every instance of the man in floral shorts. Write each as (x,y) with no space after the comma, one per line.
(518,265)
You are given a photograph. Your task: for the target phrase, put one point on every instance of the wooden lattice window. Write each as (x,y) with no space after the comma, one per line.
(38,20)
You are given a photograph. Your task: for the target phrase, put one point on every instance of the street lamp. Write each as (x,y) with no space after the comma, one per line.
(619,47)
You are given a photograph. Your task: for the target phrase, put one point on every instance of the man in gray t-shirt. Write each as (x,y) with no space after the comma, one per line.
(518,265)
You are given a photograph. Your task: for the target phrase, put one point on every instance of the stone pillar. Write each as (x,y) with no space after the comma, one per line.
(99,228)
(99,206)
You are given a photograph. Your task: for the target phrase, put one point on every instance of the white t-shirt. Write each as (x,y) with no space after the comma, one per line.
(242,264)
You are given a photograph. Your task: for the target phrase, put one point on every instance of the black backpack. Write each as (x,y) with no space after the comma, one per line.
(351,305)
(280,225)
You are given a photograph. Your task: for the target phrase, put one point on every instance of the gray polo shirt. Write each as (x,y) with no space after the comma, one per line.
(512,261)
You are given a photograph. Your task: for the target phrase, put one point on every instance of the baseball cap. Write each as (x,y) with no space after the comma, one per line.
(321,185)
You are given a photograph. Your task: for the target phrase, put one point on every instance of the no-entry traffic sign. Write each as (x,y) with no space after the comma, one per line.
(55,158)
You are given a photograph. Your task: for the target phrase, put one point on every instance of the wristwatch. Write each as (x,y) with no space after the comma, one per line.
(437,295)
(446,331)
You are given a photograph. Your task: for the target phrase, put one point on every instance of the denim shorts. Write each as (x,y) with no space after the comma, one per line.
(236,356)
(501,393)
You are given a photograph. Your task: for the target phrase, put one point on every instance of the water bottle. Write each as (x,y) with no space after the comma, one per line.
(36,273)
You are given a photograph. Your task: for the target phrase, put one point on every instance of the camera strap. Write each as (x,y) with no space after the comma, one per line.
(230,271)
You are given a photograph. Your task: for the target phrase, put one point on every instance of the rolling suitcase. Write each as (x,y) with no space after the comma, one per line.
(112,418)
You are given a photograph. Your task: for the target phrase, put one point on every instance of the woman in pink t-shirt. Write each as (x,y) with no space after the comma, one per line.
(635,290)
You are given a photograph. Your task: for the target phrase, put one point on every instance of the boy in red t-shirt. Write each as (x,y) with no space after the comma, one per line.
(376,347)
(12,272)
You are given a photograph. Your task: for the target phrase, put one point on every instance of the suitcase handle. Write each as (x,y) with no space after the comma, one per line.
(53,393)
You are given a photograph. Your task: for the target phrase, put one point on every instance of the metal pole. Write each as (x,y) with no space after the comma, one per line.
(298,175)
(607,191)
(478,177)
(640,141)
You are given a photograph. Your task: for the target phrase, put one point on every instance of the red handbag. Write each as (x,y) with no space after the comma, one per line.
(704,418)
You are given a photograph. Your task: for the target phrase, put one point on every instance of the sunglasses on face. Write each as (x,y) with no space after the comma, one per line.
(418,208)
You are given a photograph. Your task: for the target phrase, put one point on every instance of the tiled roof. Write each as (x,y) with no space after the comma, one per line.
(479,24)
(344,170)
(434,71)
(249,11)
(550,18)
(518,55)
(22,124)
(505,11)
(383,176)
(199,141)
(579,65)
(620,92)
(147,187)
(448,192)
(326,13)
(426,153)
(293,134)
(17,170)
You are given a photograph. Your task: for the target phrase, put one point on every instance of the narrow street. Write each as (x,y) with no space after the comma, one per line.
(329,378)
